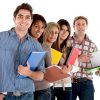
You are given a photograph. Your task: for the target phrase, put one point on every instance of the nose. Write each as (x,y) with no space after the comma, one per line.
(24,19)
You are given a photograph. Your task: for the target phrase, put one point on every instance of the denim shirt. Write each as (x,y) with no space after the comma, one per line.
(14,53)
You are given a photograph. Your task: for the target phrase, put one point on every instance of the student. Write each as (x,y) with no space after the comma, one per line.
(62,90)
(15,48)
(82,85)
(49,37)
(36,31)
(37,27)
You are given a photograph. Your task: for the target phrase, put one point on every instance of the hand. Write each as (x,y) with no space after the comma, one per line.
(97,73)
(24,70)
(66,68)
(1,96)
(84,57)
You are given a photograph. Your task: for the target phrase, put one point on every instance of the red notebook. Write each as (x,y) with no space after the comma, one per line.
(73,56)
(53,73)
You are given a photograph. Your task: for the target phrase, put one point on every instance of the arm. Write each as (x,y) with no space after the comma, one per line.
(97,72)
(66,69)
(35,75)
(1,96)
(84,58)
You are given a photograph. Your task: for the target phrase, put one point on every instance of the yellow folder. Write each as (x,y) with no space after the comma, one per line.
(56,55)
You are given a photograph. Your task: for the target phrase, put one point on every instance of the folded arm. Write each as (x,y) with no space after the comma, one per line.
(35,75)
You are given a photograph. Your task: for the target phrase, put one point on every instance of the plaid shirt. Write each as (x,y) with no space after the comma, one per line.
(86,46)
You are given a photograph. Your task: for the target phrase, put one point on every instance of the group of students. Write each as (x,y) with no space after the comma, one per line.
(32,33)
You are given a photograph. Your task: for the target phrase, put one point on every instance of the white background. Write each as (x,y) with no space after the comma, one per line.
(53,10)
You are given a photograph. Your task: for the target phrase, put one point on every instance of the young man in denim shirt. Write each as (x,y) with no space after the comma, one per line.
(15,48)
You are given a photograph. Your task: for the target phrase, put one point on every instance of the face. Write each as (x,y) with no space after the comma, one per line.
(22,20)
(37,29)
(53,34)
(63,34)
(80,26)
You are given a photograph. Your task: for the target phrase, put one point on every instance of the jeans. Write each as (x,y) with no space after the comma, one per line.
(26,96)
(84,90)
(61,94)
(43,94)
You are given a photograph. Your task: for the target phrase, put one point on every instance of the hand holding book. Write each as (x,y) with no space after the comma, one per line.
(97,72)
(24,70)
(66,69)
(35,59)
(54,73)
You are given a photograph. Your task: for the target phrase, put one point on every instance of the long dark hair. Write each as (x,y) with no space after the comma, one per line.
(62,22)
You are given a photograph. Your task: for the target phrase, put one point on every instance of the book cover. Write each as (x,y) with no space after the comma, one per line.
(92,70)
(72,56)
(95,59)
(53,73)
(34,61)
(56,55)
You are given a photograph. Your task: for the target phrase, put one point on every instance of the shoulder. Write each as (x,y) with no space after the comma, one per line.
(4,34)
(46,47)
(35,44)
(90,41)
(69,42)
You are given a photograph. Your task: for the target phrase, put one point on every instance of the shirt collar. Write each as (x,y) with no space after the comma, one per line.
(13,33)
(86,36)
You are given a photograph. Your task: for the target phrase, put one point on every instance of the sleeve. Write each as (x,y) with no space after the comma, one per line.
(42,65)
(48,58)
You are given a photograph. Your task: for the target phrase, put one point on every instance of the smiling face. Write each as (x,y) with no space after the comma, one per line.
(63,34)
(37,29)
(23,20)
(52,34)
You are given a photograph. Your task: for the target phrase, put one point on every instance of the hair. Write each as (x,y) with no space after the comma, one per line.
(80,17)
(62,22)
(47,29)
(25,6)
(38,17)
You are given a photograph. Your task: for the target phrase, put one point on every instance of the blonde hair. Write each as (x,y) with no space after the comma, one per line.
(48,28)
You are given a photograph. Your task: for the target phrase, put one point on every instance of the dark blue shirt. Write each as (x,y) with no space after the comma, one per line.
(14,53)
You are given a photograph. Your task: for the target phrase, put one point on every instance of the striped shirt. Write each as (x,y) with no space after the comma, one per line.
(14,53)
(86,46)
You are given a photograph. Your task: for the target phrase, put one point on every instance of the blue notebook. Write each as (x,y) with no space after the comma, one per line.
(34,61)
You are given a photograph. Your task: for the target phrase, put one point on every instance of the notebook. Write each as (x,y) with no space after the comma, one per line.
(56,55)
(92,70)
(72,56)
(95,59)
(53,73)
(34,61)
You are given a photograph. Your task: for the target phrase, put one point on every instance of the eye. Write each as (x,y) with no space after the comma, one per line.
(56,32)
(28,17)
